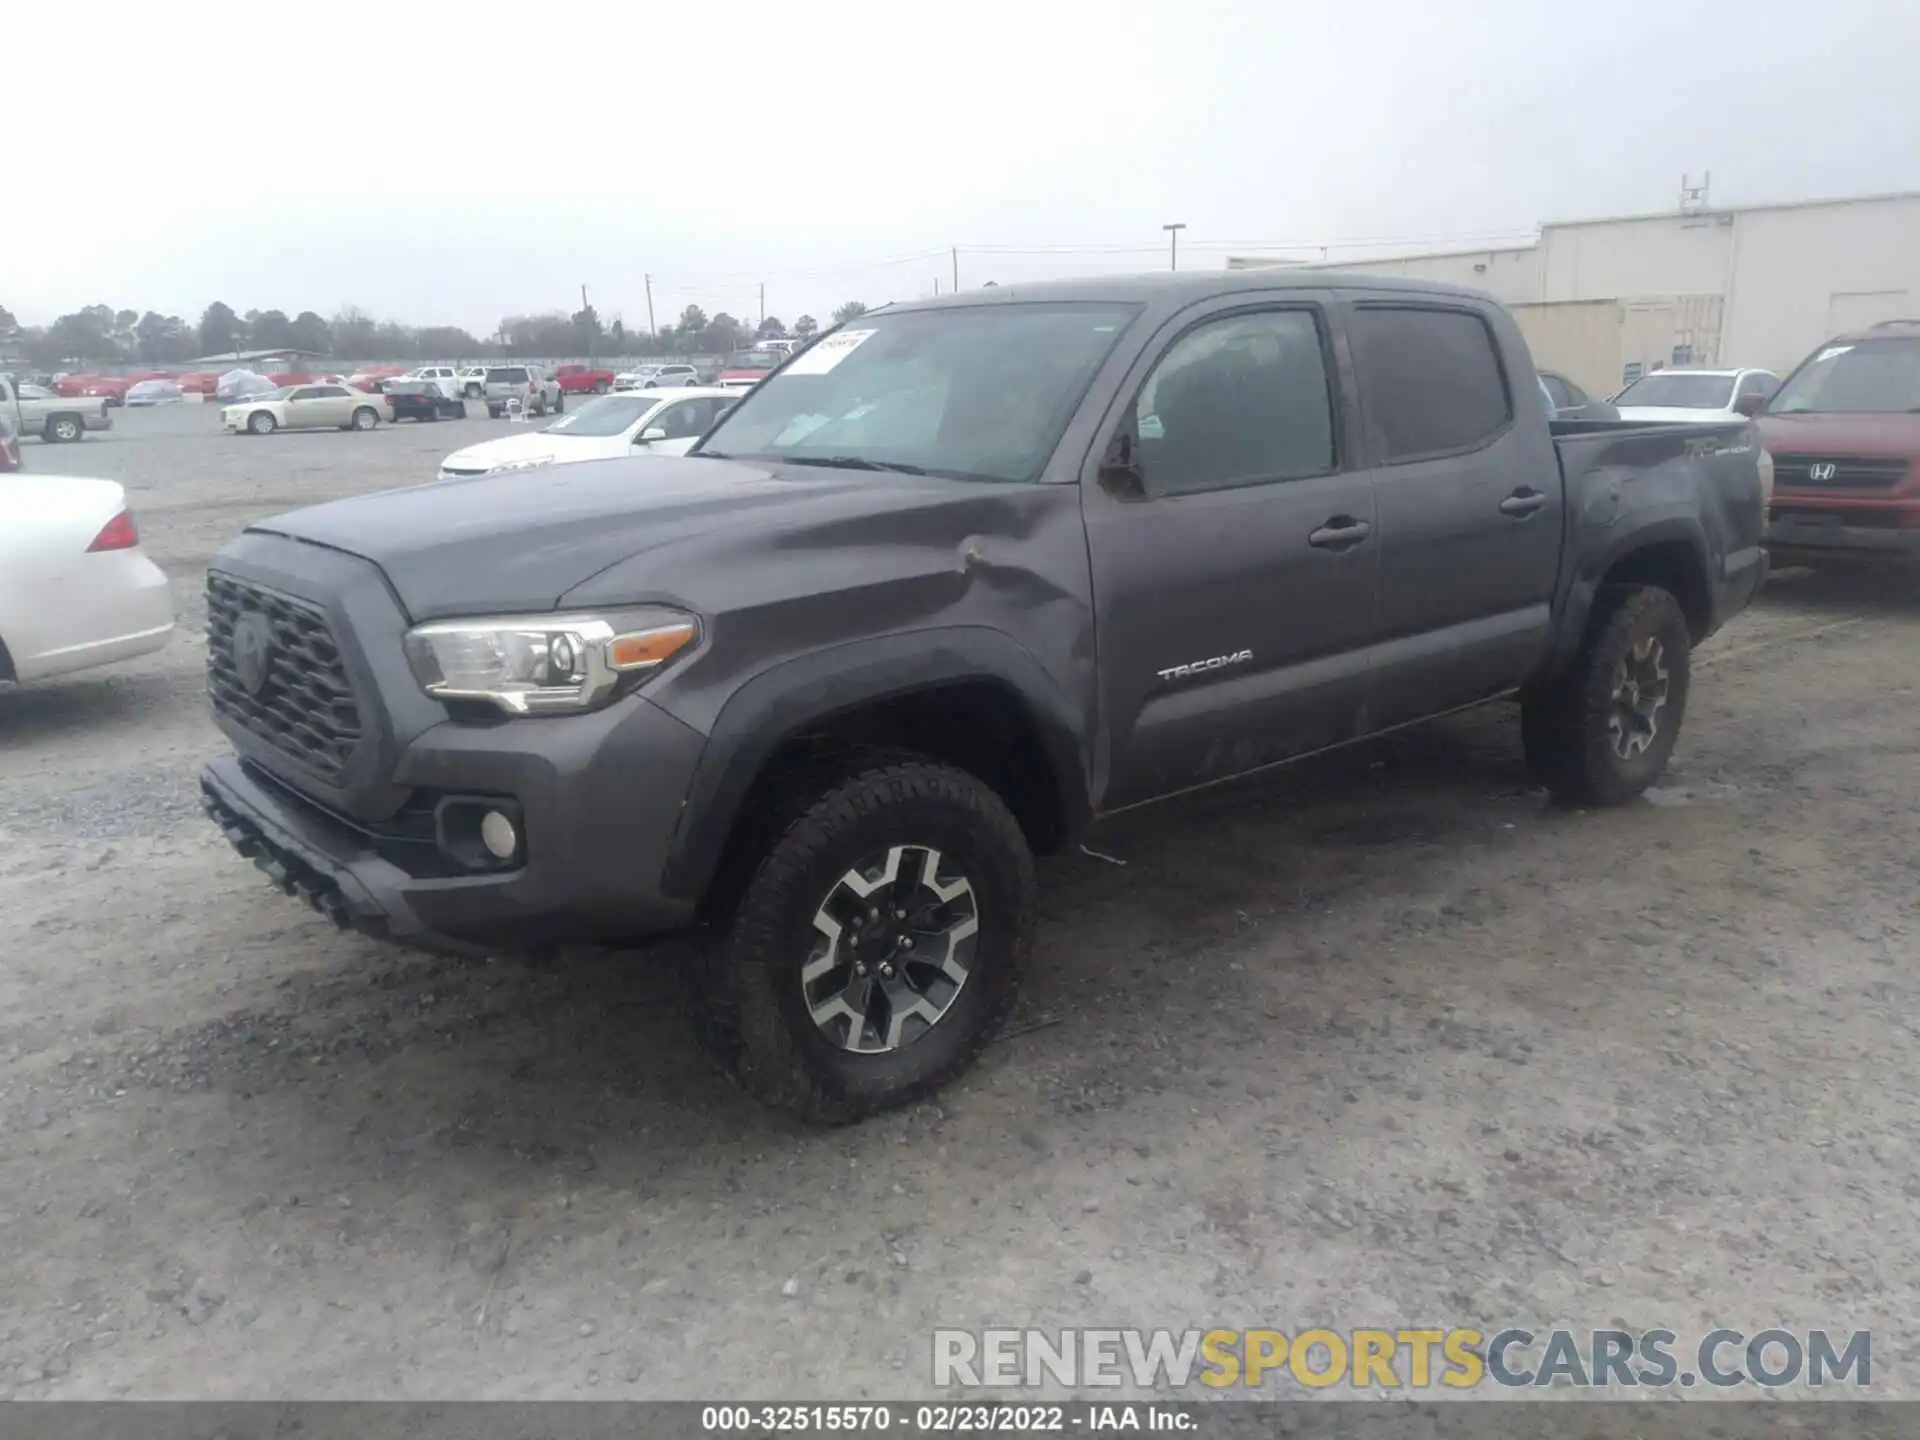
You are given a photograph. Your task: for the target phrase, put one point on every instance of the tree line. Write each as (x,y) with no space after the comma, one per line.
(100,334)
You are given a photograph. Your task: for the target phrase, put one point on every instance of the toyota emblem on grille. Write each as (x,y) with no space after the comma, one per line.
(252,650)
(1825,470)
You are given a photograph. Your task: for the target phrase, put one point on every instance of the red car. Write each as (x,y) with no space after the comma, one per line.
(111,388)
(747,368)
(200,382)
(581,380)
(292,377)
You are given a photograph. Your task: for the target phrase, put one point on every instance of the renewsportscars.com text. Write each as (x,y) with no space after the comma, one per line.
(1400,1359)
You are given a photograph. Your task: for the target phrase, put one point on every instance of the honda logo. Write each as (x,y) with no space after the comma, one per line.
(1824,470)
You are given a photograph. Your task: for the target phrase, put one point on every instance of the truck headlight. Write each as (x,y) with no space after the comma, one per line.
(546,664)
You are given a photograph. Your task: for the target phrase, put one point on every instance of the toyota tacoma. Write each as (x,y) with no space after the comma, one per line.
(962,578)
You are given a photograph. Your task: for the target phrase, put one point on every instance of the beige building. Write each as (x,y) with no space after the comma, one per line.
(1760,285)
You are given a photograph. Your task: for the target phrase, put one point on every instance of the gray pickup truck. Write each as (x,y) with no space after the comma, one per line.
(55,418)
(962,578)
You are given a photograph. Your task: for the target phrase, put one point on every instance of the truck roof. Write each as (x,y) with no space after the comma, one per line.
(1197,285)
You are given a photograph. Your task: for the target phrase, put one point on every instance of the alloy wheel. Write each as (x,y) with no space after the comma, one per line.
(893,948)
(1640,688)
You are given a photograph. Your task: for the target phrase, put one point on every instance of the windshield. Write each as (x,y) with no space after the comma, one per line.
(1859,377)
(980,393)
(608,415)
(753,360)
(507,377)
(1679,392)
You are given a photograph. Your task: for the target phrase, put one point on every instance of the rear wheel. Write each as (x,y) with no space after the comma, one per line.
(261,422)
(879,944)
(365,418)
(64,429)
(493,412)
(1602,733)
(560,403)
(600,387)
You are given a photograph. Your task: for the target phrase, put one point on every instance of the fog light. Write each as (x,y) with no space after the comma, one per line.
(498,835)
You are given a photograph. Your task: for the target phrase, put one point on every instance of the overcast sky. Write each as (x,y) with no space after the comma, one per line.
(433,166)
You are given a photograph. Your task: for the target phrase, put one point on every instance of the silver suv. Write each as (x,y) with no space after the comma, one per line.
(536,387)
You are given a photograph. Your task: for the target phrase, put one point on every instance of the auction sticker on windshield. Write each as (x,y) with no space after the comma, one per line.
(828,353)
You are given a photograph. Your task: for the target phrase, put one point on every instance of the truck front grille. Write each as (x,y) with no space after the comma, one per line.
(274,669)
(1838,472)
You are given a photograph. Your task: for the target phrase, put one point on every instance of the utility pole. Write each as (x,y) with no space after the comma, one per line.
(936,285)
(763,302)
(956,268)
(652,334)
(1173,244)
(583,309)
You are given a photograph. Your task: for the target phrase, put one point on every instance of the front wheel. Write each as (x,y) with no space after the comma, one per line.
(879,945)
(1602,733)
(261,422)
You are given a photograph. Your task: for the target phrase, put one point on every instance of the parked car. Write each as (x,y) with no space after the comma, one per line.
(307,407)
(444,378)
(1844,432)
(111,388)
(533,386)
(1697,394)
(656,377)
(651,422)
(370,378)
(584,380)
(745,369)
(949,587)
(76,590)
(473,382)
(145,393)
(1570,402)
(421,400)
(242,385)
(57,419)
(200,382)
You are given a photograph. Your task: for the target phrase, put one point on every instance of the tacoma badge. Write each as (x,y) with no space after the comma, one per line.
(1199,667)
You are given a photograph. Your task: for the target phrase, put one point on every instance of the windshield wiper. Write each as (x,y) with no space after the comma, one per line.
(852,462)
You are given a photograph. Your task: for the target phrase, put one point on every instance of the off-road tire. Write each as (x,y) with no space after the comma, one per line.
(1564,726)
(751,1009)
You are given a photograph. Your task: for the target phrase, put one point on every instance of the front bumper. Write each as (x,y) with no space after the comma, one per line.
(1792,538)
(599,797)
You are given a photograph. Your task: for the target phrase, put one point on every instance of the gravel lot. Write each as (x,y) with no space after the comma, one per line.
(1383,1041)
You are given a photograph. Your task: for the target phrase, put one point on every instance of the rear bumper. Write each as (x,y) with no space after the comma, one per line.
(126,611)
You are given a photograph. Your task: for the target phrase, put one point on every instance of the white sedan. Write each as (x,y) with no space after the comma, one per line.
(76,590)
(307,407)
(1694,394)
(638,422)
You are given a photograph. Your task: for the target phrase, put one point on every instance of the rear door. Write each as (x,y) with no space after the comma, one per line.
(1233,553)
(1469,496)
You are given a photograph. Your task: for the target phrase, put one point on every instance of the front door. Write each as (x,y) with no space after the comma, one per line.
(305,408)
(1233,553)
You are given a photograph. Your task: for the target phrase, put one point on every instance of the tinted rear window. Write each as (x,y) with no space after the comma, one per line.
(1431,379)
(514,376)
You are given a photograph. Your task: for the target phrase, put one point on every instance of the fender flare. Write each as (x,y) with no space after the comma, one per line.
(1592,569)
(784,701)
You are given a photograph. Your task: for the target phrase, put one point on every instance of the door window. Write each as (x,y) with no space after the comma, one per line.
(1240,400)
(1431,380)
(1558,391)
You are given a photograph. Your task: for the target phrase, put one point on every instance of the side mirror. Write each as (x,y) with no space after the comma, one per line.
(647,437)
(1750,405)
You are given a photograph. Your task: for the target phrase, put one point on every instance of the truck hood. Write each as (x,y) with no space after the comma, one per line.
(1809,434)
(520,542)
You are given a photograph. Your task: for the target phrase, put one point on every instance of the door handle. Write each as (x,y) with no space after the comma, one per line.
(1342,532)
(1522,503)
